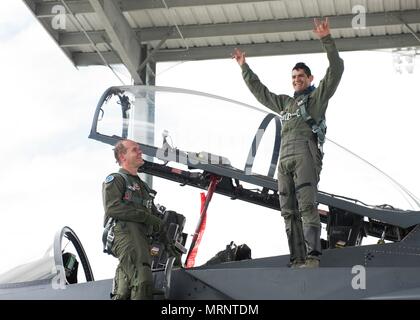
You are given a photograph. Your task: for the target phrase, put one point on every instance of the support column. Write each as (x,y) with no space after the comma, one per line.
(145,108)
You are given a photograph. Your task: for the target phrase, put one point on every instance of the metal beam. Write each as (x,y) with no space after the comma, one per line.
(243,28)
(75,39)
(44,9)
(410,29)
(276,26)
(265,49)
(30,4)
(85,59)
(123,38)
(149,55)
(286,48)
(131,5)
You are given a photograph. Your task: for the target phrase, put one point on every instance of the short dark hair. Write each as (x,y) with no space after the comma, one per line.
(304,67)
(119,149)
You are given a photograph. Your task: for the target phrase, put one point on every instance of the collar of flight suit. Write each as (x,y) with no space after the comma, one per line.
(308,90)
(127,173)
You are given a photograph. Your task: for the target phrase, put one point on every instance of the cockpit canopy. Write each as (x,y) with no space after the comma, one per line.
(58,266)
(231,133)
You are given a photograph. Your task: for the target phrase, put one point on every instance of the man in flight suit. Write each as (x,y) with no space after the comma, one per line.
(129,201)
(301,148)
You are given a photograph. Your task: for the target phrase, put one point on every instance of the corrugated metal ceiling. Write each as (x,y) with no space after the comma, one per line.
(211,28)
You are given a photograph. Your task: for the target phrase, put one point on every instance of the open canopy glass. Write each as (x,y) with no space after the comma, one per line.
(226,133)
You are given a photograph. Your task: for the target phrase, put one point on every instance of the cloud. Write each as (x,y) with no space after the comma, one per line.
(44,96)
(12,23)
(50,171)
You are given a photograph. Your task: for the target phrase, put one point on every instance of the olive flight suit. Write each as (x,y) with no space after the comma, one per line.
(300,158)
(130,203)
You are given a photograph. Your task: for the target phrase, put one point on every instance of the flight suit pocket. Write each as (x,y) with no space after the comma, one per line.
(315,152)
(316,156)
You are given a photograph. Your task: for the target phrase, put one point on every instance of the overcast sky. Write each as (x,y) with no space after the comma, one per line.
(51,173)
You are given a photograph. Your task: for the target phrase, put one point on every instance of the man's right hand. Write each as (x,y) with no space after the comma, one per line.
(239,56)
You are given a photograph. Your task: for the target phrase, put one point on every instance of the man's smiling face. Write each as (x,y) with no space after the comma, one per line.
(300,80)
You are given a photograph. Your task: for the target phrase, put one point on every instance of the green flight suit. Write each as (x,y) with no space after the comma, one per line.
(132,208)
(300,159)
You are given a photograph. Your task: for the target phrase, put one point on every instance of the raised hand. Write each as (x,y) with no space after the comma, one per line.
(321,28)
(239,56)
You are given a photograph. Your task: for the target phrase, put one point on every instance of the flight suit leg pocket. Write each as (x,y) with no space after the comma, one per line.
(316,157)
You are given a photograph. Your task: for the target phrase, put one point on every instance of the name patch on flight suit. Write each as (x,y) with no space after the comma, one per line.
(129,193)
(134,187)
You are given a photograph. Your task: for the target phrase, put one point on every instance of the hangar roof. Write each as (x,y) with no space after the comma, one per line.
(134,32)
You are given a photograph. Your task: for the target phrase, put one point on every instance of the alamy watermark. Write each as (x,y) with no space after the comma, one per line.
(58,22)
(359,20)
(167,153)
(358,282)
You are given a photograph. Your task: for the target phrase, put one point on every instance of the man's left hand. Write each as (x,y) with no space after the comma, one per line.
(322,28)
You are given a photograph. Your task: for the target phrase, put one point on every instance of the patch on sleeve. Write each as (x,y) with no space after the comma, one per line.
(109,178)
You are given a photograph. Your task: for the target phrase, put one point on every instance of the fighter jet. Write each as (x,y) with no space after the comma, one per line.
(235,154)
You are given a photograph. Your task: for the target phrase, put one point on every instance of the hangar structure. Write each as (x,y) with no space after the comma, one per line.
(140,33)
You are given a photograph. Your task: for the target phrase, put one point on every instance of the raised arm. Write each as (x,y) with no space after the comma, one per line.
(329,83)
(261,93)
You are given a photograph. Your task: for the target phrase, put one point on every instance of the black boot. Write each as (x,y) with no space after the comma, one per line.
(313,246)
(312,240)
